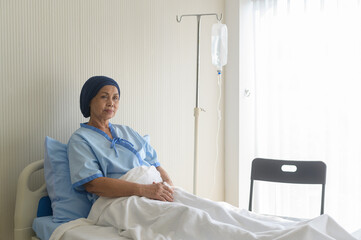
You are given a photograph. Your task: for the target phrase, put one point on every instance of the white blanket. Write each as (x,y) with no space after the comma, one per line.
(190,217)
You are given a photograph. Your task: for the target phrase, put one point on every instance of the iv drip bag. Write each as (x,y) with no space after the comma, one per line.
(219,45)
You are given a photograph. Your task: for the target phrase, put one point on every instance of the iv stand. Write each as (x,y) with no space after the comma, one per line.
(197,109)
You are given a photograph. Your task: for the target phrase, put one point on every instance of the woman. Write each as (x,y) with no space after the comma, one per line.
(100,153)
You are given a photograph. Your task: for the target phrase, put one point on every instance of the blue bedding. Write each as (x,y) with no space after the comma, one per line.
(44,227)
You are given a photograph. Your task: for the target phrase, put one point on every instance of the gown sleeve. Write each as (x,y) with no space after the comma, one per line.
(150,153)
(83,163)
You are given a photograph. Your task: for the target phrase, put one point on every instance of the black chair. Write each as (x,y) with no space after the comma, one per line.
(299,172)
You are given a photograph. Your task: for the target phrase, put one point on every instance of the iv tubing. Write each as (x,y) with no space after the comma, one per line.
(219,116)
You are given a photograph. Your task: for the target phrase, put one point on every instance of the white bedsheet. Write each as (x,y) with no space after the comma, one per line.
(190,217)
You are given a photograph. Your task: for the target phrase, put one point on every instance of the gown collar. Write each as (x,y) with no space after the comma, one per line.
(115,140)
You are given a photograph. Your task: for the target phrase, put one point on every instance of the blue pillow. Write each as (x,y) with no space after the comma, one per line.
(67,203)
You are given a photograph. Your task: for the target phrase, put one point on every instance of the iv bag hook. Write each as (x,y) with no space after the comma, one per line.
(219,18)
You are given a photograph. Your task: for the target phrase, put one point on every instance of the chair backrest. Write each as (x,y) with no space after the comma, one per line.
(288,171)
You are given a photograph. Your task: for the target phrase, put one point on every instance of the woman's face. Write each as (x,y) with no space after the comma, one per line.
(105,104)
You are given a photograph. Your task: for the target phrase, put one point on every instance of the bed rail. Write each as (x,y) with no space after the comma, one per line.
(27,202)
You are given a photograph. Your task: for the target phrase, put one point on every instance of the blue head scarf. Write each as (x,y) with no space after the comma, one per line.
(90,88)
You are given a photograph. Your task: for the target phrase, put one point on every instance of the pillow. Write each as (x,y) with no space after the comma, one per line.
(67,203)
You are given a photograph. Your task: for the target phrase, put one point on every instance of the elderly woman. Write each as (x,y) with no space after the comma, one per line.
(100,152)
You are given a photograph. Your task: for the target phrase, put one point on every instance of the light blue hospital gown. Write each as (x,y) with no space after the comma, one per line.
(92,154)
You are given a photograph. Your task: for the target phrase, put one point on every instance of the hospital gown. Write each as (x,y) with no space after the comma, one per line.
(92,154)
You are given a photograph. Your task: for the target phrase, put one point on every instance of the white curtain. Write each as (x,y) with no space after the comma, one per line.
(307,98)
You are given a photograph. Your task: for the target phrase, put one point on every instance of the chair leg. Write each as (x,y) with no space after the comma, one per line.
(323,199)
(250,196)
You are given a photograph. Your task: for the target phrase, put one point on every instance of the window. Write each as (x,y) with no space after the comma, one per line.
(306,82)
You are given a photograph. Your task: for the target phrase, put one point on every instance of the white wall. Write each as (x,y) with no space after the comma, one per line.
(239,109)
(50,48)
(232,117)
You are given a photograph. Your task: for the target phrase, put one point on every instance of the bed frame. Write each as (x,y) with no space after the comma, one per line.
(26,205)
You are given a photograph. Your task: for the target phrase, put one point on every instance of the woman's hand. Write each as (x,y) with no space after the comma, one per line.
(158,191)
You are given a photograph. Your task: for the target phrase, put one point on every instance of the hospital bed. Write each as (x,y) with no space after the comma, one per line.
(33,211)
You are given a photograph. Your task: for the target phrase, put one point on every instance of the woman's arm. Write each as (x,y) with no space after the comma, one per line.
(165,176)
(111,187)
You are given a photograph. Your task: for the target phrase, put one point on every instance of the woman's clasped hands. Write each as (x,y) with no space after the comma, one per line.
(159,191)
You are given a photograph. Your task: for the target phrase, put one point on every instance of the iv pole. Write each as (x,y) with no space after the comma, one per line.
(197,109)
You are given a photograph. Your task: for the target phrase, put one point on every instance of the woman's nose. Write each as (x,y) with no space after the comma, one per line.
(110,102)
